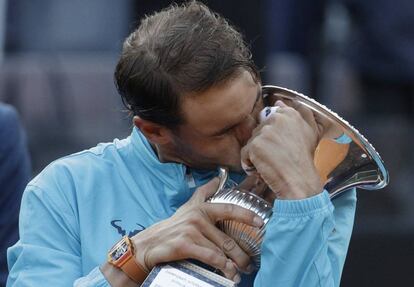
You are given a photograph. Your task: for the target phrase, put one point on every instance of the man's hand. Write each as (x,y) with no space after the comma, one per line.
(191,233)
(282,151)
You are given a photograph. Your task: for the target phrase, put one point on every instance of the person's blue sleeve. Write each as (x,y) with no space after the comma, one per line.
(306,241)
(48,252)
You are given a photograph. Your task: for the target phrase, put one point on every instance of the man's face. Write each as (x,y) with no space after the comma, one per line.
(218,123)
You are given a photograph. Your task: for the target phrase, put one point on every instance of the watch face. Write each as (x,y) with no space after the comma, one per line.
(119,250)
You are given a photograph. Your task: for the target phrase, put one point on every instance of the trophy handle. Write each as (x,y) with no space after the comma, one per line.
(223,176)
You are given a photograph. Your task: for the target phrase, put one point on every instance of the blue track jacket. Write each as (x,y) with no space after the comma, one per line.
(79,206)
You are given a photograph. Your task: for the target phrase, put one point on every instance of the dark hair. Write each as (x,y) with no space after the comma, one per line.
(179,50)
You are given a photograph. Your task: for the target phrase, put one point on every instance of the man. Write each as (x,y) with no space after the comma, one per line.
(14,175)
(189,81)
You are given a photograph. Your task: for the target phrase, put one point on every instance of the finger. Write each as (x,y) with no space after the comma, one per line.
(215,259)
(280,103)
(230,270)
(223,211)
(246,163)
(191,250)
(290,103)
(248,167)
(310,117)
(205,191)
(307,114)
(228,246)
(245,155)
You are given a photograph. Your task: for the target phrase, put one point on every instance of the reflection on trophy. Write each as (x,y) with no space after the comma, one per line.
(343,158)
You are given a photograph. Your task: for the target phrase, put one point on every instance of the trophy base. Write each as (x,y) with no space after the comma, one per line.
(184,273)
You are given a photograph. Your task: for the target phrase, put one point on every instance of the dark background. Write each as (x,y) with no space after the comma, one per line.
(56,67)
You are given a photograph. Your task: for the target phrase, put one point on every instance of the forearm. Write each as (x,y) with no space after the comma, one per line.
(115,276)
(295,247)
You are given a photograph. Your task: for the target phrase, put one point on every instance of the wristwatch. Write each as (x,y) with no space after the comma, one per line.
(122,256)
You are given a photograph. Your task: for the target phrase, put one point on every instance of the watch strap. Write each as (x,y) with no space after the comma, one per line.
(134,270)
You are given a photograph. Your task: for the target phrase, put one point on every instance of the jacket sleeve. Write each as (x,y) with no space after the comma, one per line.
(14,175)
(48,252)
(306,241)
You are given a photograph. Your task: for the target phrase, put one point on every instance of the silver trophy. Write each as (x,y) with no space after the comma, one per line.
(344,159)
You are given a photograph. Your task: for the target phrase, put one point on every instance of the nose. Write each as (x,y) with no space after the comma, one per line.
(245,129)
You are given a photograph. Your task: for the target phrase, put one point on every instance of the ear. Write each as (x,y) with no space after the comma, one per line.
(155,133)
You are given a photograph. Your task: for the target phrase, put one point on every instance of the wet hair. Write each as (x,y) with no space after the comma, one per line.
(179,51)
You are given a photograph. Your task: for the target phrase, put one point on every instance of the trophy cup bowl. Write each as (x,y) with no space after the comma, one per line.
(344,159)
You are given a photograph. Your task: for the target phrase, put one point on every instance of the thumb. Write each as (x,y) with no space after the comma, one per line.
(205,191)
(280,103)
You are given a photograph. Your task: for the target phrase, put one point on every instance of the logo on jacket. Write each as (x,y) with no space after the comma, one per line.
(122,231)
